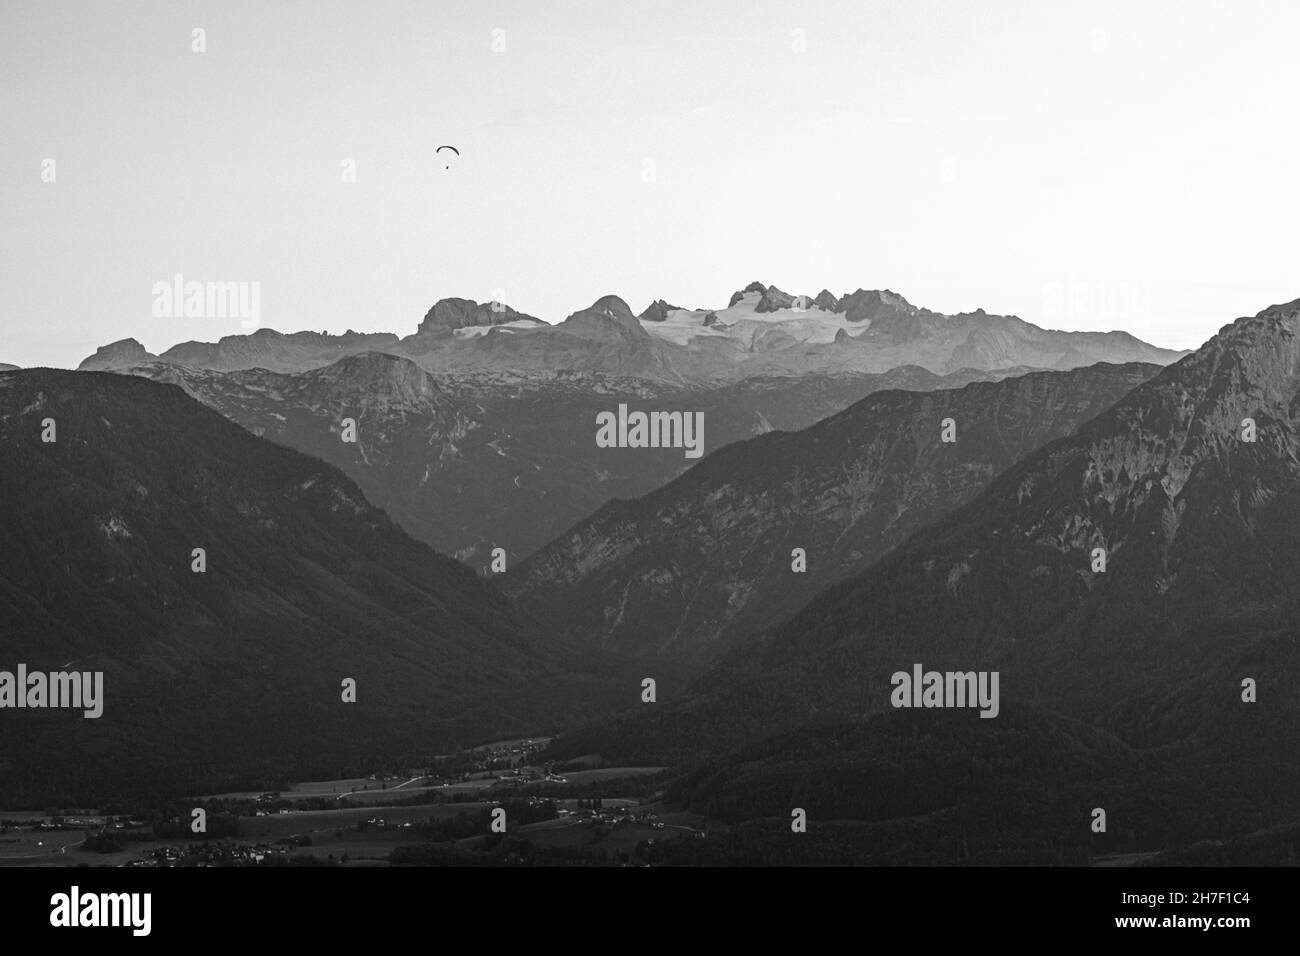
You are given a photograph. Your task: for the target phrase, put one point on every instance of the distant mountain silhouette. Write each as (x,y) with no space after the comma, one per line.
(265,348)
(762,332)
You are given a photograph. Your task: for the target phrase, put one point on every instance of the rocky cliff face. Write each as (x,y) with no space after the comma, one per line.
(709,557)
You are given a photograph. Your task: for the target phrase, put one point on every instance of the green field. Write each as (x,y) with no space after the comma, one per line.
(608,773)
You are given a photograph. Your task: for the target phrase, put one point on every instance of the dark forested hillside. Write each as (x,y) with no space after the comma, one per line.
(234,671)
(712,556)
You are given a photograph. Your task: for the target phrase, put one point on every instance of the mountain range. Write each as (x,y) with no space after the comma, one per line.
(478,431)
(712,554)
(761,332)
(1132,583)
(1195,522)
(468,466)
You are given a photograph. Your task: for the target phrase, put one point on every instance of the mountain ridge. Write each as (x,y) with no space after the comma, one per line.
(467,464)
(708,556)
(762,331)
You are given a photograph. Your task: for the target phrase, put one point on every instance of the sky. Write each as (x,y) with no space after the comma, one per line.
(1099,165)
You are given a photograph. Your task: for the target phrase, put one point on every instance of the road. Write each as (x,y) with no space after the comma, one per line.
(344,796)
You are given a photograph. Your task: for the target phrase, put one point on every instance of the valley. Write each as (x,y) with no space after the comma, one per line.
(953,519)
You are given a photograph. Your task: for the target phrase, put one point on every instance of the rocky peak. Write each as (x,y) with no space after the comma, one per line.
(774,299)
(867,305)
(608,318)
(380,375)
(120,354)
(452,313)
(752,287)
(657,311)
(613,306)
(890,314)
(826,302)
(1251,366)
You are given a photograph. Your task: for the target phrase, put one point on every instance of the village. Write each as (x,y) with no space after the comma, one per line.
(575,806)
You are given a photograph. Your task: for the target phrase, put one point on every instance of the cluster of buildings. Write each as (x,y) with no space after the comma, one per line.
(522,775)
(71,823)
(210,854)
(379,823)
(615,816)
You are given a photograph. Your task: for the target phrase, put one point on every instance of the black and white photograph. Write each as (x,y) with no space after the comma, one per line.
(856,440)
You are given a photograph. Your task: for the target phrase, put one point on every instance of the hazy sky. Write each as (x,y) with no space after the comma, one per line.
(1082,165)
